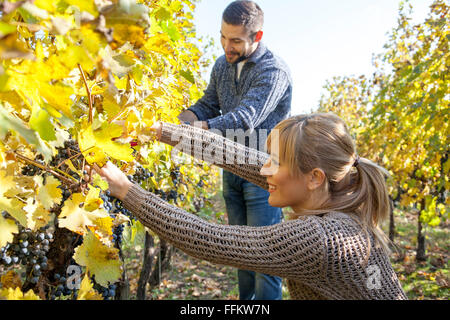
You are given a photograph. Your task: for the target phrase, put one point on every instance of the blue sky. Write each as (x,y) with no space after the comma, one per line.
(319,39)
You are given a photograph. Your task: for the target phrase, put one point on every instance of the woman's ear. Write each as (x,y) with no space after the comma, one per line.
(316,178)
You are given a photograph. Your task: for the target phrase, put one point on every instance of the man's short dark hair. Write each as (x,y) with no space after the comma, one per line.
(244,13)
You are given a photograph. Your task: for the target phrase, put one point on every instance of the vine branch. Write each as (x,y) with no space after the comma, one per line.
(88,91)
(60,176)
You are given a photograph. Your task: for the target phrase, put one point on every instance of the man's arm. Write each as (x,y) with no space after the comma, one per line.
(262,99)
(207,107)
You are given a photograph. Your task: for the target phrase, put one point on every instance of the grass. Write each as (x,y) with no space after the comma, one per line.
(430,279)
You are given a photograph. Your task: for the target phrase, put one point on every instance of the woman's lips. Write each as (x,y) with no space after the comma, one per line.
(272,188)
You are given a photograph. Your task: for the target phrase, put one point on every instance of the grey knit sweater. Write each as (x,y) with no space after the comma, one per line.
(322,257)
(256,103)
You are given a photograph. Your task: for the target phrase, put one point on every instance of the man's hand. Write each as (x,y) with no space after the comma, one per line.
(187,116)
(117,180)
(201,124)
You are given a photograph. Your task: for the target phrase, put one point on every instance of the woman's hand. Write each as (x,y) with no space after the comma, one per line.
(157,128)
(117,180)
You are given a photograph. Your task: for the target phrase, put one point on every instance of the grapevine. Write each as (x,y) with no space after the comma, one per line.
(81,83)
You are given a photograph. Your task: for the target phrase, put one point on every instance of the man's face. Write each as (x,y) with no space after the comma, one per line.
(236,42)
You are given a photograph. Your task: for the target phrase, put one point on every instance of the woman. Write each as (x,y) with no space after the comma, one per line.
(333,249)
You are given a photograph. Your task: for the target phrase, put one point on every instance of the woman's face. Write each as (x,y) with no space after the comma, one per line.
(286,190)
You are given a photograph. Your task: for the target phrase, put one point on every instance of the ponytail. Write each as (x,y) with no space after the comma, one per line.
(372,190)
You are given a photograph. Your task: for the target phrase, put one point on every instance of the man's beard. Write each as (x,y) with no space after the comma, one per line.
(242,57)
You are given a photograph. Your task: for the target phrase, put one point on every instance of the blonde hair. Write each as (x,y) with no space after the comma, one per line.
(356,185)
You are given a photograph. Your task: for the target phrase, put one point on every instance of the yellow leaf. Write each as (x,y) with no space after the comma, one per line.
(110,106)
(13,206)
(41,217)
(7,229)
(99,182)
(17,294)
(71,166)
(37,215)
(131,33)
(78,219)
(87,291)
(45,4)
(93,200)
(84,5)
(74,55)
(103,228)
(48,194)
(101,260)
(40,122)
(98,144)
(58,97)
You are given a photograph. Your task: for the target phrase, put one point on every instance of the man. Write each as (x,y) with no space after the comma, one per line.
(250,89)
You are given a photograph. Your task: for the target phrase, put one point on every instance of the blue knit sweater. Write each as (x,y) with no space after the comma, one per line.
(260,99)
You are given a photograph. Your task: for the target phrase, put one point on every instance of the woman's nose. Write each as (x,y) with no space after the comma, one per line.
(266,169)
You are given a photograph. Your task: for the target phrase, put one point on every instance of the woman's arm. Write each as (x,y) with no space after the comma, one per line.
(293,249)
(215,149)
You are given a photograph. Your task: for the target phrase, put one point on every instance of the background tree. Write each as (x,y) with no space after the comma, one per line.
(400,115)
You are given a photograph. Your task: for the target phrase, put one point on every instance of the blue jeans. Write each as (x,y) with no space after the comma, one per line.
(247,204)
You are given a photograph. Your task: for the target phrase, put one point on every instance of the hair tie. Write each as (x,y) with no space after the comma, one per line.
(356,161)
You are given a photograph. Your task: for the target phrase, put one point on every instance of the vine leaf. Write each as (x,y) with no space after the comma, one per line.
(8,228)
(99,144)
(37,215)
(17,294)
(8,188)
(87,291)
(76,218)
(102,261)
(48,194)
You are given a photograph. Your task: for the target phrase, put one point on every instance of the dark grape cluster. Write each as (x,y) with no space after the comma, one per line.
(117,235)
(114,206)
(108,293)
(175,175)
(61,288)
(61,280)
(141,175)
(31,170)
(69,150)
(29,249)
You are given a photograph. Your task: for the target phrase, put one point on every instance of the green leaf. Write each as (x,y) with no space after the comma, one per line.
(9,123)
(188,76)
(40,122)
(162,14)
(169,28)
(6,28)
